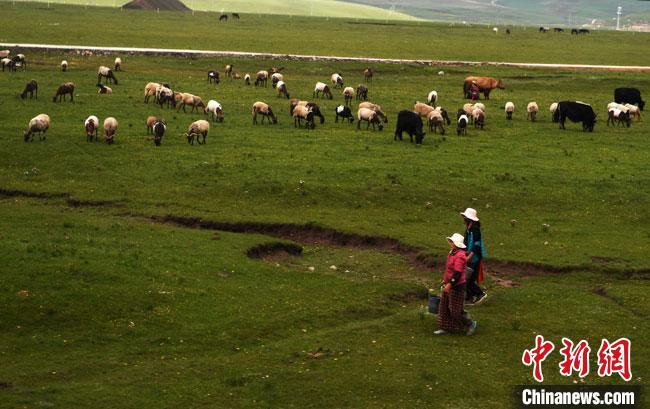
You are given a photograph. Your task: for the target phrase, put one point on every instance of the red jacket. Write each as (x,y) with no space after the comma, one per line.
(456,263)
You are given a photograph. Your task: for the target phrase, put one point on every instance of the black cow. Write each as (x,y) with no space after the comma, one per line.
(558,29)
(583,31)
(343,112)
(629,96)
(576,111)
(411,123)
(574,31)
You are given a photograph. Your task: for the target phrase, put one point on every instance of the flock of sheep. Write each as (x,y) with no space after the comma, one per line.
(300,110)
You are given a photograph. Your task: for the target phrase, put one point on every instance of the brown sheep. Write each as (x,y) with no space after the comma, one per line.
(63,90)
(151,120)
(265,110)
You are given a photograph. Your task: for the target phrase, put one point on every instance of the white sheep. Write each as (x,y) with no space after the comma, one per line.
(478,117)
(110,127)
(150,90)
(39,124)
(105,72)
(510,108)
(432,98)
(91,125)
(441,73)
(553,108)
(367,114)
(262,77)
(634,110)
(118,64)
(322,88)
(215,109)
(64,65)
(103,89)
(480,106)
(376,108)
(275,78)
(262,108)
(436,121)
(247,79)
(337,80)
(532,109)
(281,87)
(197,129)
(348,94)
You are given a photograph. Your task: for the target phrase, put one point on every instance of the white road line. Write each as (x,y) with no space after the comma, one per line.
(298,57)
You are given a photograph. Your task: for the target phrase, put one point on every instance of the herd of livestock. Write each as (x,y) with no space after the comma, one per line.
(626,105)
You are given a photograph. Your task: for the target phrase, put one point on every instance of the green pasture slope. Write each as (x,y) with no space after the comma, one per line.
(101,307)
(62,24)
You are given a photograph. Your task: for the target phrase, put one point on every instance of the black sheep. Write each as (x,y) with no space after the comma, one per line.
(411,123)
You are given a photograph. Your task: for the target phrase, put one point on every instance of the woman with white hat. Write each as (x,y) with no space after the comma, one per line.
(475,250)
(450,311)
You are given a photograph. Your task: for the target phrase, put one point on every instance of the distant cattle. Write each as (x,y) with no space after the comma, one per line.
(558,30)
(544,29)
(576,111)
(629,96)
(485,84)
(223,17)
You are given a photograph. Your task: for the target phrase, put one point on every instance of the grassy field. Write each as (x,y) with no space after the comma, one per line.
(104,307)
(345,37)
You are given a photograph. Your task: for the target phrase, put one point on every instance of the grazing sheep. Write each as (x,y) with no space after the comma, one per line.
(294,102)
(468,109)
(262,77)
(480,106)
(105,72)
(39,124)
(375,108)
(4,53)
(159,129)
(553,108)
(215,109)
(478,117)
(532,109)
(436,121)
(282,89)
(103,89)
(441,73)
(461,126)
(19,62)
(301,112)
(634,110)
(64,65)
(228,70)
(344,112)
(110,127)
(322,88)
(8,64)
(150,91)
(422,109)
(164,95)
(348,93)
(362,93)
(118,64)
(213,76)
(274,70)
(510,108)
(236,76)
(151,120)
(31,87)
(275,78)
(311,105)
(194,101)
(247,79)
(91,125)
(261,108)
(63,90)
(370,116)
(432,98)
(337,80)
(495,30)
(197,129)
(367,75)
(619,116)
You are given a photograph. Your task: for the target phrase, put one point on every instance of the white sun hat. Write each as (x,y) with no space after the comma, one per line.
(470,214)
(457,239)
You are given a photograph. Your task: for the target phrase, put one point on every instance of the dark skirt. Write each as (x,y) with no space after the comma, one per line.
(450,312)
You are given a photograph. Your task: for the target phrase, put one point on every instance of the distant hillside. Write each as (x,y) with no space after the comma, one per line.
(169,5)
(528,12)
(316,8)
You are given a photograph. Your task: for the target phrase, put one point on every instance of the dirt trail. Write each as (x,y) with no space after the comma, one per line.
(298,57)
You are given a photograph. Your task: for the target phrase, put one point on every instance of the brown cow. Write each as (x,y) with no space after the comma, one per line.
(486,85)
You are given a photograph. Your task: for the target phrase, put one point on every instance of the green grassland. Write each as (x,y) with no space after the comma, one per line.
(120,311)
(298,35)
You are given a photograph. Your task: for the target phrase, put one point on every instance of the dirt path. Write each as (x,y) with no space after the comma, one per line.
(296,57)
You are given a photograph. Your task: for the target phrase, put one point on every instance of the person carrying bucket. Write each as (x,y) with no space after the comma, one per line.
(450,310)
